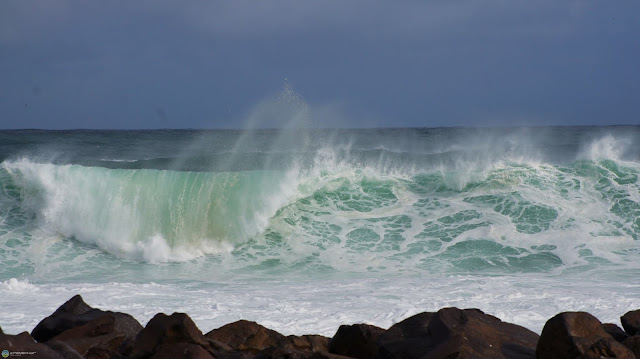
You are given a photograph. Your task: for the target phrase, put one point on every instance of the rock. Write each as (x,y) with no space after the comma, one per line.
(99,335)
(24,343)
(288,353)
(64,350)
(357,341)
(633,344)
(312,343)
(75,313)
(631,322)
(615,331)
(165,330)
(457,333)
(251,339)
(181,350)
(405,339)
(578,335)
(245,335)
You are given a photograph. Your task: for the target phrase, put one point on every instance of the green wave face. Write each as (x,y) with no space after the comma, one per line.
(514,217)
(123,211)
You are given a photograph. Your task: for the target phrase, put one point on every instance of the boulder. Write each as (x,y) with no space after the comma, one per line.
(99,335)
(24,343)
(615,331)
(176,328)
(312,343)
(357,341)
(289,353)
(405,339)
(578,335)
(245,335)
(631,322)
(181,350)
(633,343)
(64,350)
(75,313)
(458,333)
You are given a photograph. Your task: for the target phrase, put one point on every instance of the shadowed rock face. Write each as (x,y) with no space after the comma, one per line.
(578,335)
(177,328)
(76,313)
(357,341)
(23,342)
(456,333)
(76,329)
(246,336)
(633,344)
(631,322)
(615,331)
(405,339)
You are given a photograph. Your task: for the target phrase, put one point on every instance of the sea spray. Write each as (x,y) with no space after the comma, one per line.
(337,225)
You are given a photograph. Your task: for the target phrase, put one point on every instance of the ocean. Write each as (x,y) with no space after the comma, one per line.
(304,230)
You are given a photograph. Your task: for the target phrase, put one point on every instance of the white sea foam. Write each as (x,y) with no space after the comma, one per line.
(320,307)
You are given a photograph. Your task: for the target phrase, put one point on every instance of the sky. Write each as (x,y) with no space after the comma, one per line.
(142,64)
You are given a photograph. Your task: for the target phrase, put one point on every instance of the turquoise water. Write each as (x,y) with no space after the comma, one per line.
(213,209)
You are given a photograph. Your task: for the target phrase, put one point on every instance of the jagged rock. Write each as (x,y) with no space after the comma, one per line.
(457,333)
(177,328)
(23,342)
(357,341)
(405,339)
(633,343)
(631,322)
(75,313)
(245,335)
(578,335)
(615,331)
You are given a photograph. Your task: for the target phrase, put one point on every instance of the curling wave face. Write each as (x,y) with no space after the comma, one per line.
(455,207)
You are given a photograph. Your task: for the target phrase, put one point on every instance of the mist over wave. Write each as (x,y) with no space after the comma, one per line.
(340,226)
(311,202)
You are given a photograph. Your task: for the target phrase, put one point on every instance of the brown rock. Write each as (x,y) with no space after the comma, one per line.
(456,333)
(357,341)
(177,328)
(405,339)
(181,350)
(633,343)
(578,335)
(313,343)
(615,331)
(23,342)
(76,313)
(631,322)
(246,336)
(289,353)
(64,350)
(98,336)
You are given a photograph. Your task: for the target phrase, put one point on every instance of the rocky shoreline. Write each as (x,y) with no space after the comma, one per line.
(76,330)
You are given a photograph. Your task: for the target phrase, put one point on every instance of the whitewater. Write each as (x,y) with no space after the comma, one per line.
(304,230)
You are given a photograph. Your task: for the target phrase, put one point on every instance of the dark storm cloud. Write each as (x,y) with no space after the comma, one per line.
(148,64)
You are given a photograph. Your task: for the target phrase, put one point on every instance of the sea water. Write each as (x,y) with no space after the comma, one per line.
(304,230)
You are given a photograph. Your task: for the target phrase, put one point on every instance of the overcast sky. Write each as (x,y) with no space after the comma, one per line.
(212,64)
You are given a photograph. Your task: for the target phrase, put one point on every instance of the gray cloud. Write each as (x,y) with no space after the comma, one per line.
(406,63)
